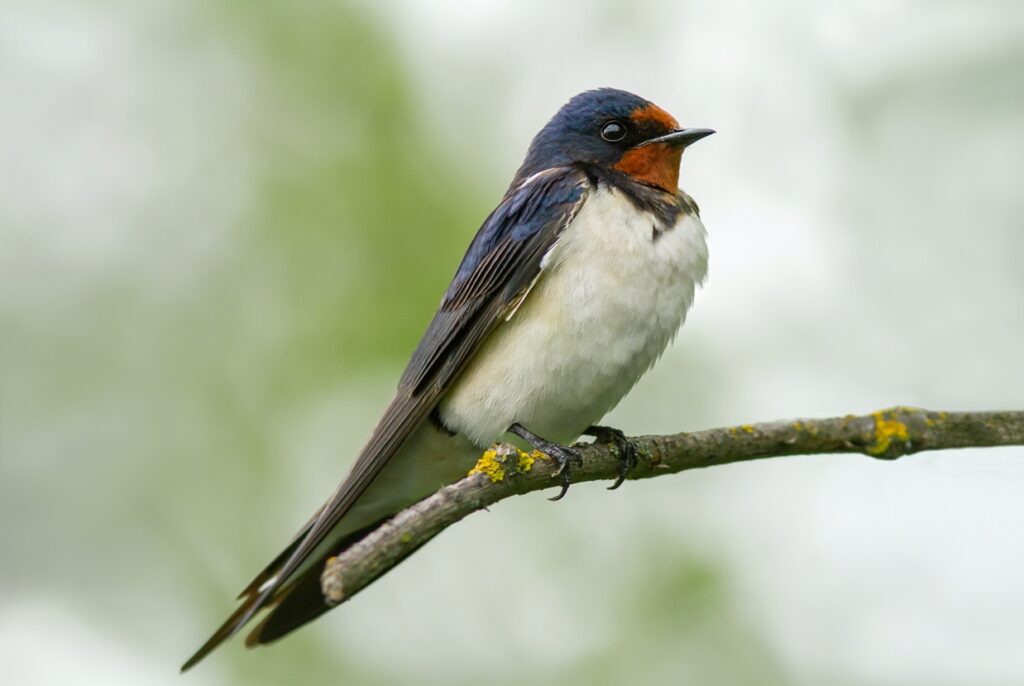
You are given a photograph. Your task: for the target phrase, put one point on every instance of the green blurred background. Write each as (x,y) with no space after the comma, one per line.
(224,225)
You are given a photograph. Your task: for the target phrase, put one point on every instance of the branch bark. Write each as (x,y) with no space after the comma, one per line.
(504,471)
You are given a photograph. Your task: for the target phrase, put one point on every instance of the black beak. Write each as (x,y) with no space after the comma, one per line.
(680,137)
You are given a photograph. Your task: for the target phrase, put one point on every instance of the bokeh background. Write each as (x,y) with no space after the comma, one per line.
(224,225)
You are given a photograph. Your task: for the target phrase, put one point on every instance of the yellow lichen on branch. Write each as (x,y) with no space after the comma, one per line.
(887,429)
(489,465)
(886,434)
(495,462)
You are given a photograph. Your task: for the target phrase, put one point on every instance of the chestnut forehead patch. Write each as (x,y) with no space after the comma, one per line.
(652,114)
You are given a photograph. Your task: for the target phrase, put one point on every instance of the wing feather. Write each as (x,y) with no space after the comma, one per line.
(502,262)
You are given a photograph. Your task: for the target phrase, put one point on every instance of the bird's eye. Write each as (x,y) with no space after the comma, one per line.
(613,131)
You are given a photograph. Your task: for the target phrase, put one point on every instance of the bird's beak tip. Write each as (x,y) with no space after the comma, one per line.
(686,137)
(680,137)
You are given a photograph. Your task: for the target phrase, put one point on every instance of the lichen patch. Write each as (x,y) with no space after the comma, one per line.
(496,462)
(489,465)
(887,429)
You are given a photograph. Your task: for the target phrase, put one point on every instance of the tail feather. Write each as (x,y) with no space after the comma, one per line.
(296,602)
(302,603)
(226,630)
(278,561)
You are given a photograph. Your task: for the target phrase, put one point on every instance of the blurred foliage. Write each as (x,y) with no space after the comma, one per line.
(224,225)
(350,194)
(149,403)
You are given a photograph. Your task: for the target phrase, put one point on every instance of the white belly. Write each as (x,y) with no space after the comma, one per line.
(609,301)
(607,304)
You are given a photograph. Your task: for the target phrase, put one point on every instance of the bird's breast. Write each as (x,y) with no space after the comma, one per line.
(612,294)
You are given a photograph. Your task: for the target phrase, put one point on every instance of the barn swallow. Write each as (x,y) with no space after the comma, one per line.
(569,292)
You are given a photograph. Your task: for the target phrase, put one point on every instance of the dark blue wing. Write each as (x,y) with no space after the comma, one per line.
(502,262)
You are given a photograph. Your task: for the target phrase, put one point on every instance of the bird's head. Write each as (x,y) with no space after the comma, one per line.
(614,130)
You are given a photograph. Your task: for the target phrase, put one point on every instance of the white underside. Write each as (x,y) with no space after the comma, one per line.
(609,300)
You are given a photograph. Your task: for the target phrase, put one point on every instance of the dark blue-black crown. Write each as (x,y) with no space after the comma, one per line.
(573,134)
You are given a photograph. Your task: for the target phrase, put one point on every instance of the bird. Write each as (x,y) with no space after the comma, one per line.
(571,290)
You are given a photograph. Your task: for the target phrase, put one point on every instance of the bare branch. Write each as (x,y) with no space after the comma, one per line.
(504,471)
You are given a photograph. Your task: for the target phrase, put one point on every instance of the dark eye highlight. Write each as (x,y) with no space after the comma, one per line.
(613,131)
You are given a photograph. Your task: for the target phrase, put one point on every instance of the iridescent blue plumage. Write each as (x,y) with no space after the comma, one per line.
(600,141)
(522,213)
(569,136)
(500,264)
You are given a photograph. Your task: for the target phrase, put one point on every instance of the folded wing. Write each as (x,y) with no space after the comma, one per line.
(500,265)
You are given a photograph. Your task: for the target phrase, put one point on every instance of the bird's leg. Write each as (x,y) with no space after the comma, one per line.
(563,455)
(625,448)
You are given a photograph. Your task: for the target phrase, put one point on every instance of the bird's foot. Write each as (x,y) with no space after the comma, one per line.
(565,456)
(625,448)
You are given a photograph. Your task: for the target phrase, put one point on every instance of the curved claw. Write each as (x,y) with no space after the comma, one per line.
(566,482)
(565,457)
(625,448)
(561,454)
(627,461)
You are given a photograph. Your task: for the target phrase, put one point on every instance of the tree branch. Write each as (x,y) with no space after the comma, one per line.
(504,471)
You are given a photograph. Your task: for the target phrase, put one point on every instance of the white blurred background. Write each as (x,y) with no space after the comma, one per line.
(223,227)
